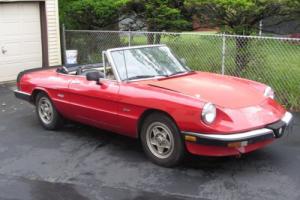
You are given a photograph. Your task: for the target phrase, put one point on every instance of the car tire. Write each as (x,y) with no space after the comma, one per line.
(161,140)
(46,112)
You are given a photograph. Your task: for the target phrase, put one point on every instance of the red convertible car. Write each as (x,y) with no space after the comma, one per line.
(145,92)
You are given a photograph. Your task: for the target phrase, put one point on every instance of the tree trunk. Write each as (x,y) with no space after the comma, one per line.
(150,38)
(241,57)
(157,38)
(153,38)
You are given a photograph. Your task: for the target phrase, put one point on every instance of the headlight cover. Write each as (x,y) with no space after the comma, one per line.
(209,112)
(269,92)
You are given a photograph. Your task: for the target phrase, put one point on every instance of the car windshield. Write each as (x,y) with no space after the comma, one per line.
(146,62)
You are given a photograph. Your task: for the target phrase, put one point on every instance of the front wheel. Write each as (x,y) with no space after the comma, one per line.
(47,113)
(162,141)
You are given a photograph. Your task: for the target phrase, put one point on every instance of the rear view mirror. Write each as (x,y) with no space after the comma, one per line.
(94,76)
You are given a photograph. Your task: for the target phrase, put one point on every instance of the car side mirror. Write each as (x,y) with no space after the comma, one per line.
(94,76)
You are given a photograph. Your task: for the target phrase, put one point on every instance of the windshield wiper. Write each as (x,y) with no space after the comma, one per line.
(140,76)
(179,72)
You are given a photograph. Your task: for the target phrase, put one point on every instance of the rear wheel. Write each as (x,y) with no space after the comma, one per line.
(161,140)
(47,113)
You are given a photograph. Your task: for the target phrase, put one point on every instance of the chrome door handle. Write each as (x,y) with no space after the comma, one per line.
(3,50)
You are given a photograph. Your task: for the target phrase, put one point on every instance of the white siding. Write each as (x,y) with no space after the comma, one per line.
(53,32)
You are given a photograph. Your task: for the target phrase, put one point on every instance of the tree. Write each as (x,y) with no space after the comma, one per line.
(293,10)
(294,7)
(238,17)
(90,14)
(160,15)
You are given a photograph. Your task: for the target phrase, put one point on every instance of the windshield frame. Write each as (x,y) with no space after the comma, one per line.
(109,55)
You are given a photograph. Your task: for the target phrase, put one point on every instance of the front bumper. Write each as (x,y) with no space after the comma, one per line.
(232,144)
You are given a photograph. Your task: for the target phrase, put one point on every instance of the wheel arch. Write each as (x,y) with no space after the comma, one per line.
(35,92)
(148,112)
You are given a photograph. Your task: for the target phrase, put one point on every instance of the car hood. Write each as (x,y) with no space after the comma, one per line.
(224,91)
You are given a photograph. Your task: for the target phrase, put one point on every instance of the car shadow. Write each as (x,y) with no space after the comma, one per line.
(104,137)
(127,144)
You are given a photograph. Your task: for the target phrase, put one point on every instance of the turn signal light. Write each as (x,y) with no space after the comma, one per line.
(190,138)
(237,144)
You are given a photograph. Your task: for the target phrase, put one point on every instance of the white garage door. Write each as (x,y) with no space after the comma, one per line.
(20,39)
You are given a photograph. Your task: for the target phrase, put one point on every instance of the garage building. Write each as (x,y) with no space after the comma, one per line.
(29,36)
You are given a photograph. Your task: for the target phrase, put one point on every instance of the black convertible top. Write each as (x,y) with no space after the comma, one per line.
(70,68)
(74,67)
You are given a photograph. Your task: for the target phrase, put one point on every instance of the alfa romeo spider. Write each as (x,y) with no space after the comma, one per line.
(146,92)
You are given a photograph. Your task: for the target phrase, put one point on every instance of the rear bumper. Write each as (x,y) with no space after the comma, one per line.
(237,143)
(22,95)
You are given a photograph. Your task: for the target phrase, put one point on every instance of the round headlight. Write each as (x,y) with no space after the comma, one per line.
(269,92)
(209,113)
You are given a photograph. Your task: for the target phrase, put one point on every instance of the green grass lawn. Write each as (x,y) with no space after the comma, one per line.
(273,62)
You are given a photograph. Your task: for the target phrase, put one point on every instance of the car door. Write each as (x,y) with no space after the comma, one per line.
(58,88)
(96,104)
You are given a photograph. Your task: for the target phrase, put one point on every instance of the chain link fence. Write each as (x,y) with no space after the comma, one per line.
(273,61)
